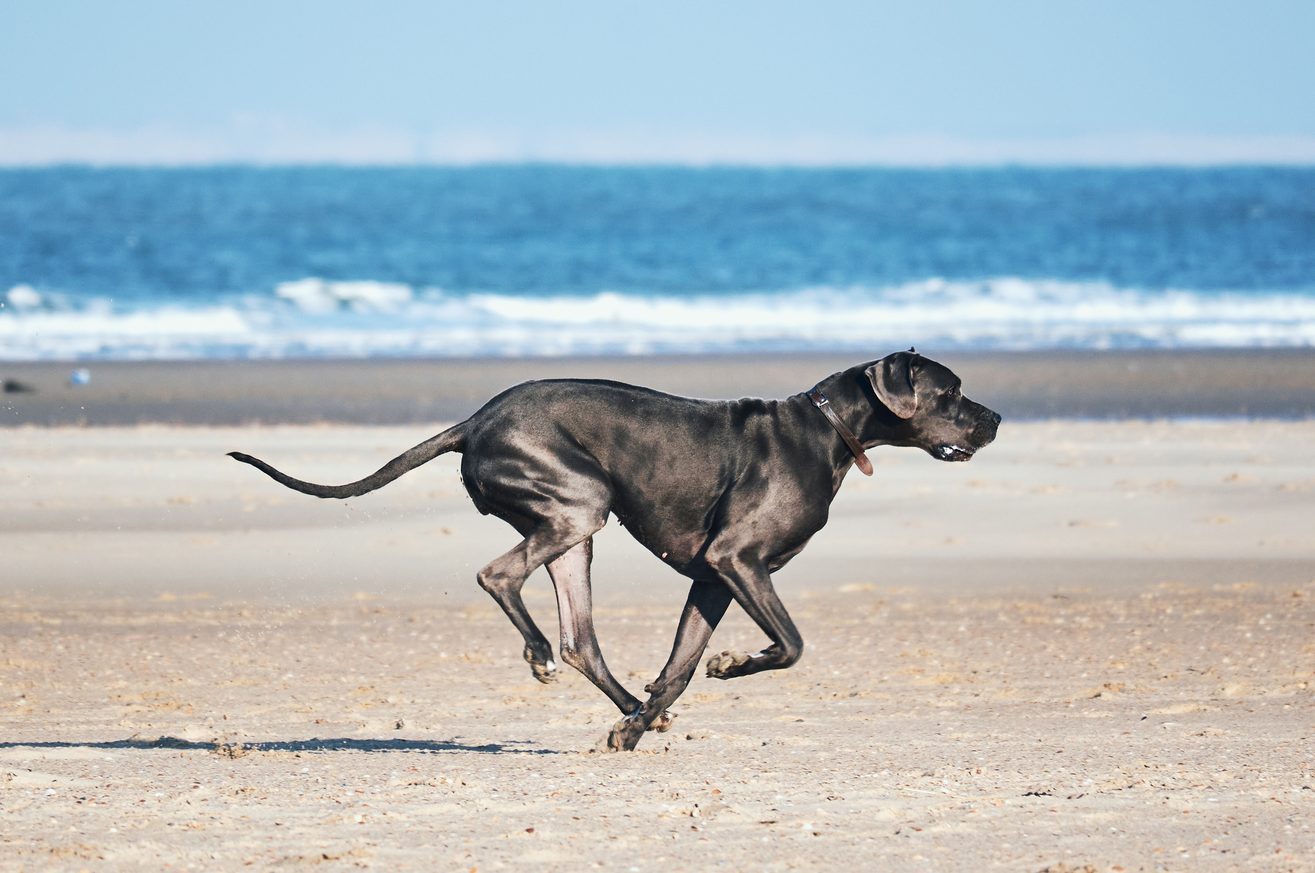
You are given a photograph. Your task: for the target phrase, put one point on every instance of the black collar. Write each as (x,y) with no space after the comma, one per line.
(860,457)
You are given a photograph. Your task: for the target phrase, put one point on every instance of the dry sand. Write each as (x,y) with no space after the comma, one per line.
(1091,648)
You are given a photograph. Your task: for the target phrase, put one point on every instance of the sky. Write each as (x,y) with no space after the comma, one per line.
(845,82)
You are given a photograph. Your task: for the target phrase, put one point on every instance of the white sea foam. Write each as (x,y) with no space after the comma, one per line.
(23,297)
(321,296)
(315,317)
(96,331)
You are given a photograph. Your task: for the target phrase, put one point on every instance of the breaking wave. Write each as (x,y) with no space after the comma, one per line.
(320,318)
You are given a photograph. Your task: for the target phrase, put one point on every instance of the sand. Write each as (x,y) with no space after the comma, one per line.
(1086,384)
(1091,648)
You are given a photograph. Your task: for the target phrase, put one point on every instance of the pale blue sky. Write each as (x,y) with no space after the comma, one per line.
(766,82)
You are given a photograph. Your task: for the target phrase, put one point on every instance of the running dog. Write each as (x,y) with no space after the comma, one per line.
(723,492)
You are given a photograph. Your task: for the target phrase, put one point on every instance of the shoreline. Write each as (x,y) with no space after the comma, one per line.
(1148,384)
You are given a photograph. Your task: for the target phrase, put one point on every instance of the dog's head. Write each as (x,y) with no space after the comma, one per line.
(933,414)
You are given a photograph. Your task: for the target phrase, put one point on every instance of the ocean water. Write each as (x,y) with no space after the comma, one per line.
(237,262)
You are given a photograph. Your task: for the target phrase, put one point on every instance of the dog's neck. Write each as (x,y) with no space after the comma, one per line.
(856,404)
(819,399)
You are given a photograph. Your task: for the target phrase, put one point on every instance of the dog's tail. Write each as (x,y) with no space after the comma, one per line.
(451,440)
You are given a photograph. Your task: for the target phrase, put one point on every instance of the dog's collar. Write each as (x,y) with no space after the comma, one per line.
(824,405)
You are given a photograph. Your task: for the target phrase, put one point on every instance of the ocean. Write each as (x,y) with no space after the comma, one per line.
(305,262)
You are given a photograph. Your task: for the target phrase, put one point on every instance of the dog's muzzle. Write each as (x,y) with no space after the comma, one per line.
(954,453)
(987,425)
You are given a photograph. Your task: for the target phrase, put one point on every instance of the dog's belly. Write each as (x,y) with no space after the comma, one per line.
(679,522)
(669,522)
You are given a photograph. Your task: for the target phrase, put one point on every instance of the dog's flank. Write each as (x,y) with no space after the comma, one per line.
(723,492)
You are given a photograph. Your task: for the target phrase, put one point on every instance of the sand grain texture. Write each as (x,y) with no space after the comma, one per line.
(1093,647)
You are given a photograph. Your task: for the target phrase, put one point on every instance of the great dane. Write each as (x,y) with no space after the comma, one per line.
(723,492)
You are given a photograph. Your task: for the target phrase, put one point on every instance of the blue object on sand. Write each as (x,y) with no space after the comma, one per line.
(80,376)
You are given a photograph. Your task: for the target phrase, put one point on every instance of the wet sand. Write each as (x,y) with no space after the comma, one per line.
(1091,648)
(1142,384)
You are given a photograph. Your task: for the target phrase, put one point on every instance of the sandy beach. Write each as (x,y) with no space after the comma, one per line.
(1092,648)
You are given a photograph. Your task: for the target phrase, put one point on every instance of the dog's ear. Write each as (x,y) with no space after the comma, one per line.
(892,379)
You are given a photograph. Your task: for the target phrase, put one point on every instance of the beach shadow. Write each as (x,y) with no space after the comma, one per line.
(315,744)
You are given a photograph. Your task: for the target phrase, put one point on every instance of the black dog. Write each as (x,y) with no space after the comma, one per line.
(723,492)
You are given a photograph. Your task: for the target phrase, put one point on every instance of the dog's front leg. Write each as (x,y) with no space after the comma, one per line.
(704,607)
(751,586)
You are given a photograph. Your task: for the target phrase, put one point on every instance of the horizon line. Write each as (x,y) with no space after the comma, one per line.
(279,143)
(643,164)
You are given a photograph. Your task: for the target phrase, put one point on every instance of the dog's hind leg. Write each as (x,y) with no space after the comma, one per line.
(579,643)
(704,607)
(556,497)
(504,577)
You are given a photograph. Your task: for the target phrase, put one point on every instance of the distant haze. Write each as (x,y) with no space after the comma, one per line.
(950,83)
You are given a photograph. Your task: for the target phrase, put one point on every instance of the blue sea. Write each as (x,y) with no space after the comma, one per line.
(244,262)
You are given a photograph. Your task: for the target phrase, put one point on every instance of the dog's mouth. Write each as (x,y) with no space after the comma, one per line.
(951,452)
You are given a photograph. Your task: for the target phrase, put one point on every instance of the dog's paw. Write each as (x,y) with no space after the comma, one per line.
(625,734)
(662,723)
(545,673)
(727,665)
(544,669)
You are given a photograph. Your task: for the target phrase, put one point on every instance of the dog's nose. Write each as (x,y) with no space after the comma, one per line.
(995,418)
